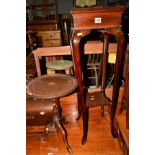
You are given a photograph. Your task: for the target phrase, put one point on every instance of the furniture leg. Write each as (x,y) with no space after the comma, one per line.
(122,106)
(117,76)
(36,58)
(85,133)
(64,135)
(79,105)
(61,118)
(46,132)
(75,46)
(58,124)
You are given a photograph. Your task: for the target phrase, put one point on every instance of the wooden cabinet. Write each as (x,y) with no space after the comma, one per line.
(50,43)
(50,35)
(50,38)
(42,15)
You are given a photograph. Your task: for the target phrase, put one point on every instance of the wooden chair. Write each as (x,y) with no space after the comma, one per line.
(30,67)
(31,40)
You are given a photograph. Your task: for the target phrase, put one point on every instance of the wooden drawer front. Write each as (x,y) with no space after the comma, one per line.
(96,18)
(48,35)
(52,43)
(96,21)
(42,27)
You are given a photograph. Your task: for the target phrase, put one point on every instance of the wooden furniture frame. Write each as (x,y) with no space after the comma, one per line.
(90,48)
(121,121)
(109,20)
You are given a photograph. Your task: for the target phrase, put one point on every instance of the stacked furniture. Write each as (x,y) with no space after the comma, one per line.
(43,18)
(42,15)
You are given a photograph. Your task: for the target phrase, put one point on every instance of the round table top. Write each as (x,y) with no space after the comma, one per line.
(59,64)
(51,86)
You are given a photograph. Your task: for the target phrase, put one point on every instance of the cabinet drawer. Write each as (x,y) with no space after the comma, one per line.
(96,21)
(50,43)
(47,35)
(96,18)
(43,27)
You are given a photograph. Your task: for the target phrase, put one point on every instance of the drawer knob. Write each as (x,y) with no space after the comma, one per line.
(42,113)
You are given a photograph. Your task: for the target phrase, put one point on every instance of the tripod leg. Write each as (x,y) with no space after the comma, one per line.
(64,135)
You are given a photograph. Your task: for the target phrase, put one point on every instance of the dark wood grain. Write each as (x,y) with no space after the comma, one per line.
(100,140)
(108,20)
